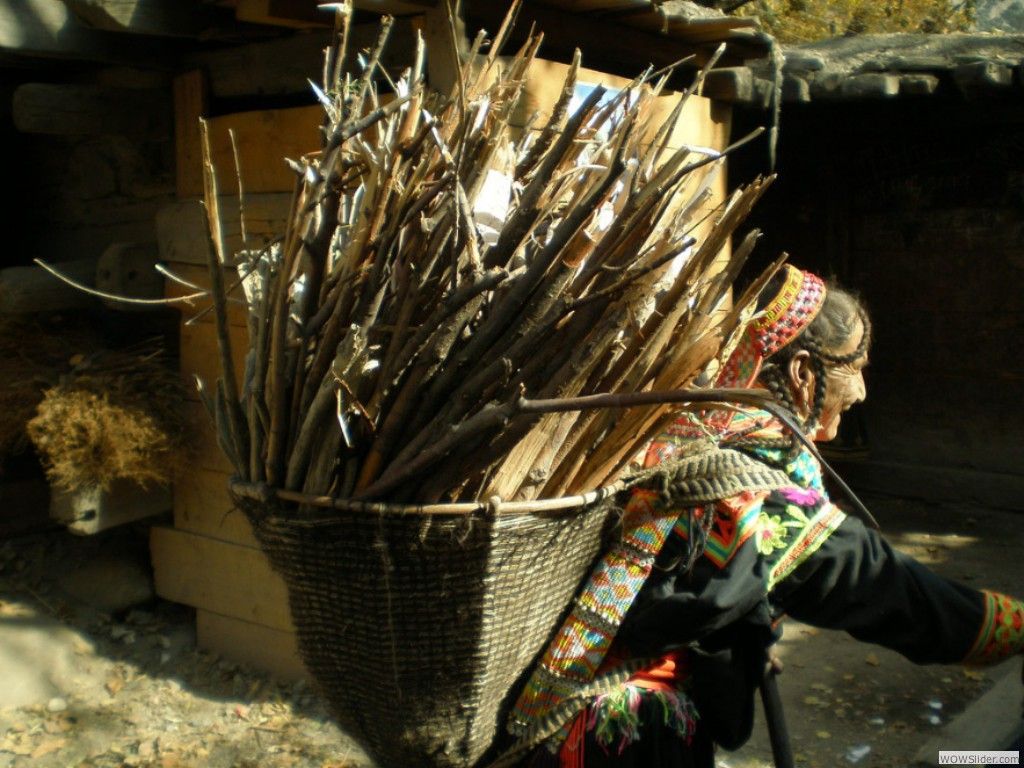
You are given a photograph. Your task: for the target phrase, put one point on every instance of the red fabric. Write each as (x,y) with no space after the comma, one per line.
(571,753)
(667,673)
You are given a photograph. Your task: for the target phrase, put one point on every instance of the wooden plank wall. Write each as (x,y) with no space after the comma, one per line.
(209,559)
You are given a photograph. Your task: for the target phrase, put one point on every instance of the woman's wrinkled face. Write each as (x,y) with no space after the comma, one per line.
(844,386)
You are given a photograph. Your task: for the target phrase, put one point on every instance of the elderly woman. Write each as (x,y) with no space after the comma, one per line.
(660,657)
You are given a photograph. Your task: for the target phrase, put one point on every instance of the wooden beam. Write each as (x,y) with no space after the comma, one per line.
(443,55)
(609,45)
(273,67)
(171,18)
(200,275)
(46,28)
(31,289)
(128,269)
(94,510)
(200,356)
(203,505)
(91,110)
(265,138)
(190,103)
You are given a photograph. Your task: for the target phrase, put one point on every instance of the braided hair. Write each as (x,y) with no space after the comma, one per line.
(831,329)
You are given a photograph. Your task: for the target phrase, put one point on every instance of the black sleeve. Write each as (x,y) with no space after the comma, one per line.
(858,583)
(676,607)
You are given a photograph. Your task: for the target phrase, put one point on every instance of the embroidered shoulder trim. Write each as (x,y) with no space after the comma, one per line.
(736,520)
(1002,630)
(807,542)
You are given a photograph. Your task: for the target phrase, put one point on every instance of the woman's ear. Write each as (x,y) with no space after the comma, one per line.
(801,382)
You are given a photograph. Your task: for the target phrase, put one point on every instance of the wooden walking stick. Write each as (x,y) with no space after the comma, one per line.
(778,733)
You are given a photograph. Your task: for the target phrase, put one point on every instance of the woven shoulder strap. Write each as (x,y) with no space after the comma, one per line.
(707,475)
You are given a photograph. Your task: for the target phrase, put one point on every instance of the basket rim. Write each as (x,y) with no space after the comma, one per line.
(494,505)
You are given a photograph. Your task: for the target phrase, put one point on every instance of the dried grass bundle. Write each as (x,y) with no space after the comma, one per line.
(398,326)
(116,416)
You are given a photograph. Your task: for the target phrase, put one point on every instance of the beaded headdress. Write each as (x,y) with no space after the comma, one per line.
(793,308)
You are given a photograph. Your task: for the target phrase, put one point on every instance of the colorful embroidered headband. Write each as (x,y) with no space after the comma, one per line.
(793,308)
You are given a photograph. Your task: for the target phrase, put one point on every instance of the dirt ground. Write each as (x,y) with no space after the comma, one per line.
(86,687)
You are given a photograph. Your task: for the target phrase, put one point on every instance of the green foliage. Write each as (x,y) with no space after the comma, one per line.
(802,21)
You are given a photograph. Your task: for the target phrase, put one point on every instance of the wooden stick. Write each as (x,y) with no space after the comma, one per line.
(236,419)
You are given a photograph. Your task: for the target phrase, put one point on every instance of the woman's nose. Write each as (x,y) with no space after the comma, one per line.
(860,388)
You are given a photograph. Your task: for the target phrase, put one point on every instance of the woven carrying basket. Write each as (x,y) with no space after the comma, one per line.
(416,623)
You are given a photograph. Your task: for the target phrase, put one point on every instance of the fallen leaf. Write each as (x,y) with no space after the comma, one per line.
(17,743)
(973,674)
(872,660)
(48,747)
(814,701)
(823,734)
(114,684)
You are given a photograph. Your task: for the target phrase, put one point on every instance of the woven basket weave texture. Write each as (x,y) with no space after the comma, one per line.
(417,627)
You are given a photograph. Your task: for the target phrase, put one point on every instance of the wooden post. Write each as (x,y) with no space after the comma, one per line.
(443,60)
(190,104)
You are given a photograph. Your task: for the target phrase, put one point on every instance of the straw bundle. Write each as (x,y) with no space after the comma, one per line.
(394,331)
(115,415)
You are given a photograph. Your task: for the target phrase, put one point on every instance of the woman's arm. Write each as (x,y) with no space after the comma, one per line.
(858,583)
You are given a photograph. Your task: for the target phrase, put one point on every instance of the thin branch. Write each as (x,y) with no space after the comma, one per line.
(186,299)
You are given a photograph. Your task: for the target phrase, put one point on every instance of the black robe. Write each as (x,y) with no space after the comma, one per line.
(789,553)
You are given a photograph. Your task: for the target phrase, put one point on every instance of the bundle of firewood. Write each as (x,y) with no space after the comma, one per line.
(442,270)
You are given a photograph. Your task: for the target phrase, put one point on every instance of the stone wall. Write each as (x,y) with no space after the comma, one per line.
(919,205)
